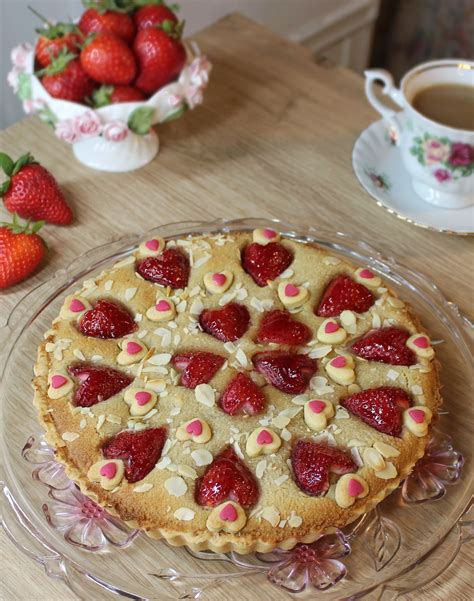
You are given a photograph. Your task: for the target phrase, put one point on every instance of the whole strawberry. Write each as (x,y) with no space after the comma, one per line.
(106,95)
(107,16)
(109,60)
(66,79)
(32,192)
(160,55)
(21,251)
(54,39)
(152,14)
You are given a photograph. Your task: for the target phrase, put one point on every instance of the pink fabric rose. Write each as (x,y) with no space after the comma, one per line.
(199,71)
(442,175)
(65,130)
(32,106)
(174,100)
(461,154)
(20,56)
(13,79)
(115,131)
(88,124)
(435,151)
(194,96)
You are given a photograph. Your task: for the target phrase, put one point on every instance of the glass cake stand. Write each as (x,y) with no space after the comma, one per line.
(408,540)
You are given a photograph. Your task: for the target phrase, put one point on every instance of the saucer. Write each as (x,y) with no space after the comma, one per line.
(379,168)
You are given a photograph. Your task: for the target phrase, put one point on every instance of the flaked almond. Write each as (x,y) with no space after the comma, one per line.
(163,463)
(141,488)
(78,354)
(160,359)
(176,486)
(374,459)
(129,293)
(388,473)
(295,521)
(261,467)
(205,394)
(386,450)
(187,471)
(392,374)
(184,514)
(271,514)
(331,261)
(202,457)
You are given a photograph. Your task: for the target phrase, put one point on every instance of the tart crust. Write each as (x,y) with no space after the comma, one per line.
(284,515)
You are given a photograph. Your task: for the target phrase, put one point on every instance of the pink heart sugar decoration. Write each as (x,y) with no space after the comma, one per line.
(219,279)
(291,290)
(108,470)
(331,327)
(133,348)
(421,342)
(354,488)
(339,362)
(269,234)
(153,245)
(317,406)
(417,415)
(194,428)
(162,306)
(142,397)
(76,306)
(58,381)
(366,274)
(228,513)
(264,437)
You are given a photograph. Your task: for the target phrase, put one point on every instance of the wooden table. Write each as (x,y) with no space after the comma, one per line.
(273,139)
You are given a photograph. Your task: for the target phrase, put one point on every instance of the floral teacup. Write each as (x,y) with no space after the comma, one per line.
(439,159)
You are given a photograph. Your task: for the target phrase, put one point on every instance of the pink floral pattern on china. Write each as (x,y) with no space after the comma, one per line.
(31,106)
(115,131)
(198,74)
(452,160)
(379,180)
(20,56)
(88,125)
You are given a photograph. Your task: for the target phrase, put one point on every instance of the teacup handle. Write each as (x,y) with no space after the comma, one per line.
(389,89)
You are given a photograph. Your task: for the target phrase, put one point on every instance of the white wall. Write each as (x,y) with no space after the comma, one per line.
(296,19)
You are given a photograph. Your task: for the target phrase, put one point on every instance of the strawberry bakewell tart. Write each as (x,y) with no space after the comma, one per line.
(236,391)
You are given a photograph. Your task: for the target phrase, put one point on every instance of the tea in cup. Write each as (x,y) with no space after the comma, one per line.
(437,139)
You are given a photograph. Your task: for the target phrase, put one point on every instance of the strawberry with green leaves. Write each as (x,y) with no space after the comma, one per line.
(106,95)
(21,251)
(55,38)
(65,78)
(107,59)
(108,16)
(154,12)
(31,191)
(160,55)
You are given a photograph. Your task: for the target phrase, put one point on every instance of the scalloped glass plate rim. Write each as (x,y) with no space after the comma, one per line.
(96,258)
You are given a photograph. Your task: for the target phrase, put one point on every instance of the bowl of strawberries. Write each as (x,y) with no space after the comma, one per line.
(103,81)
